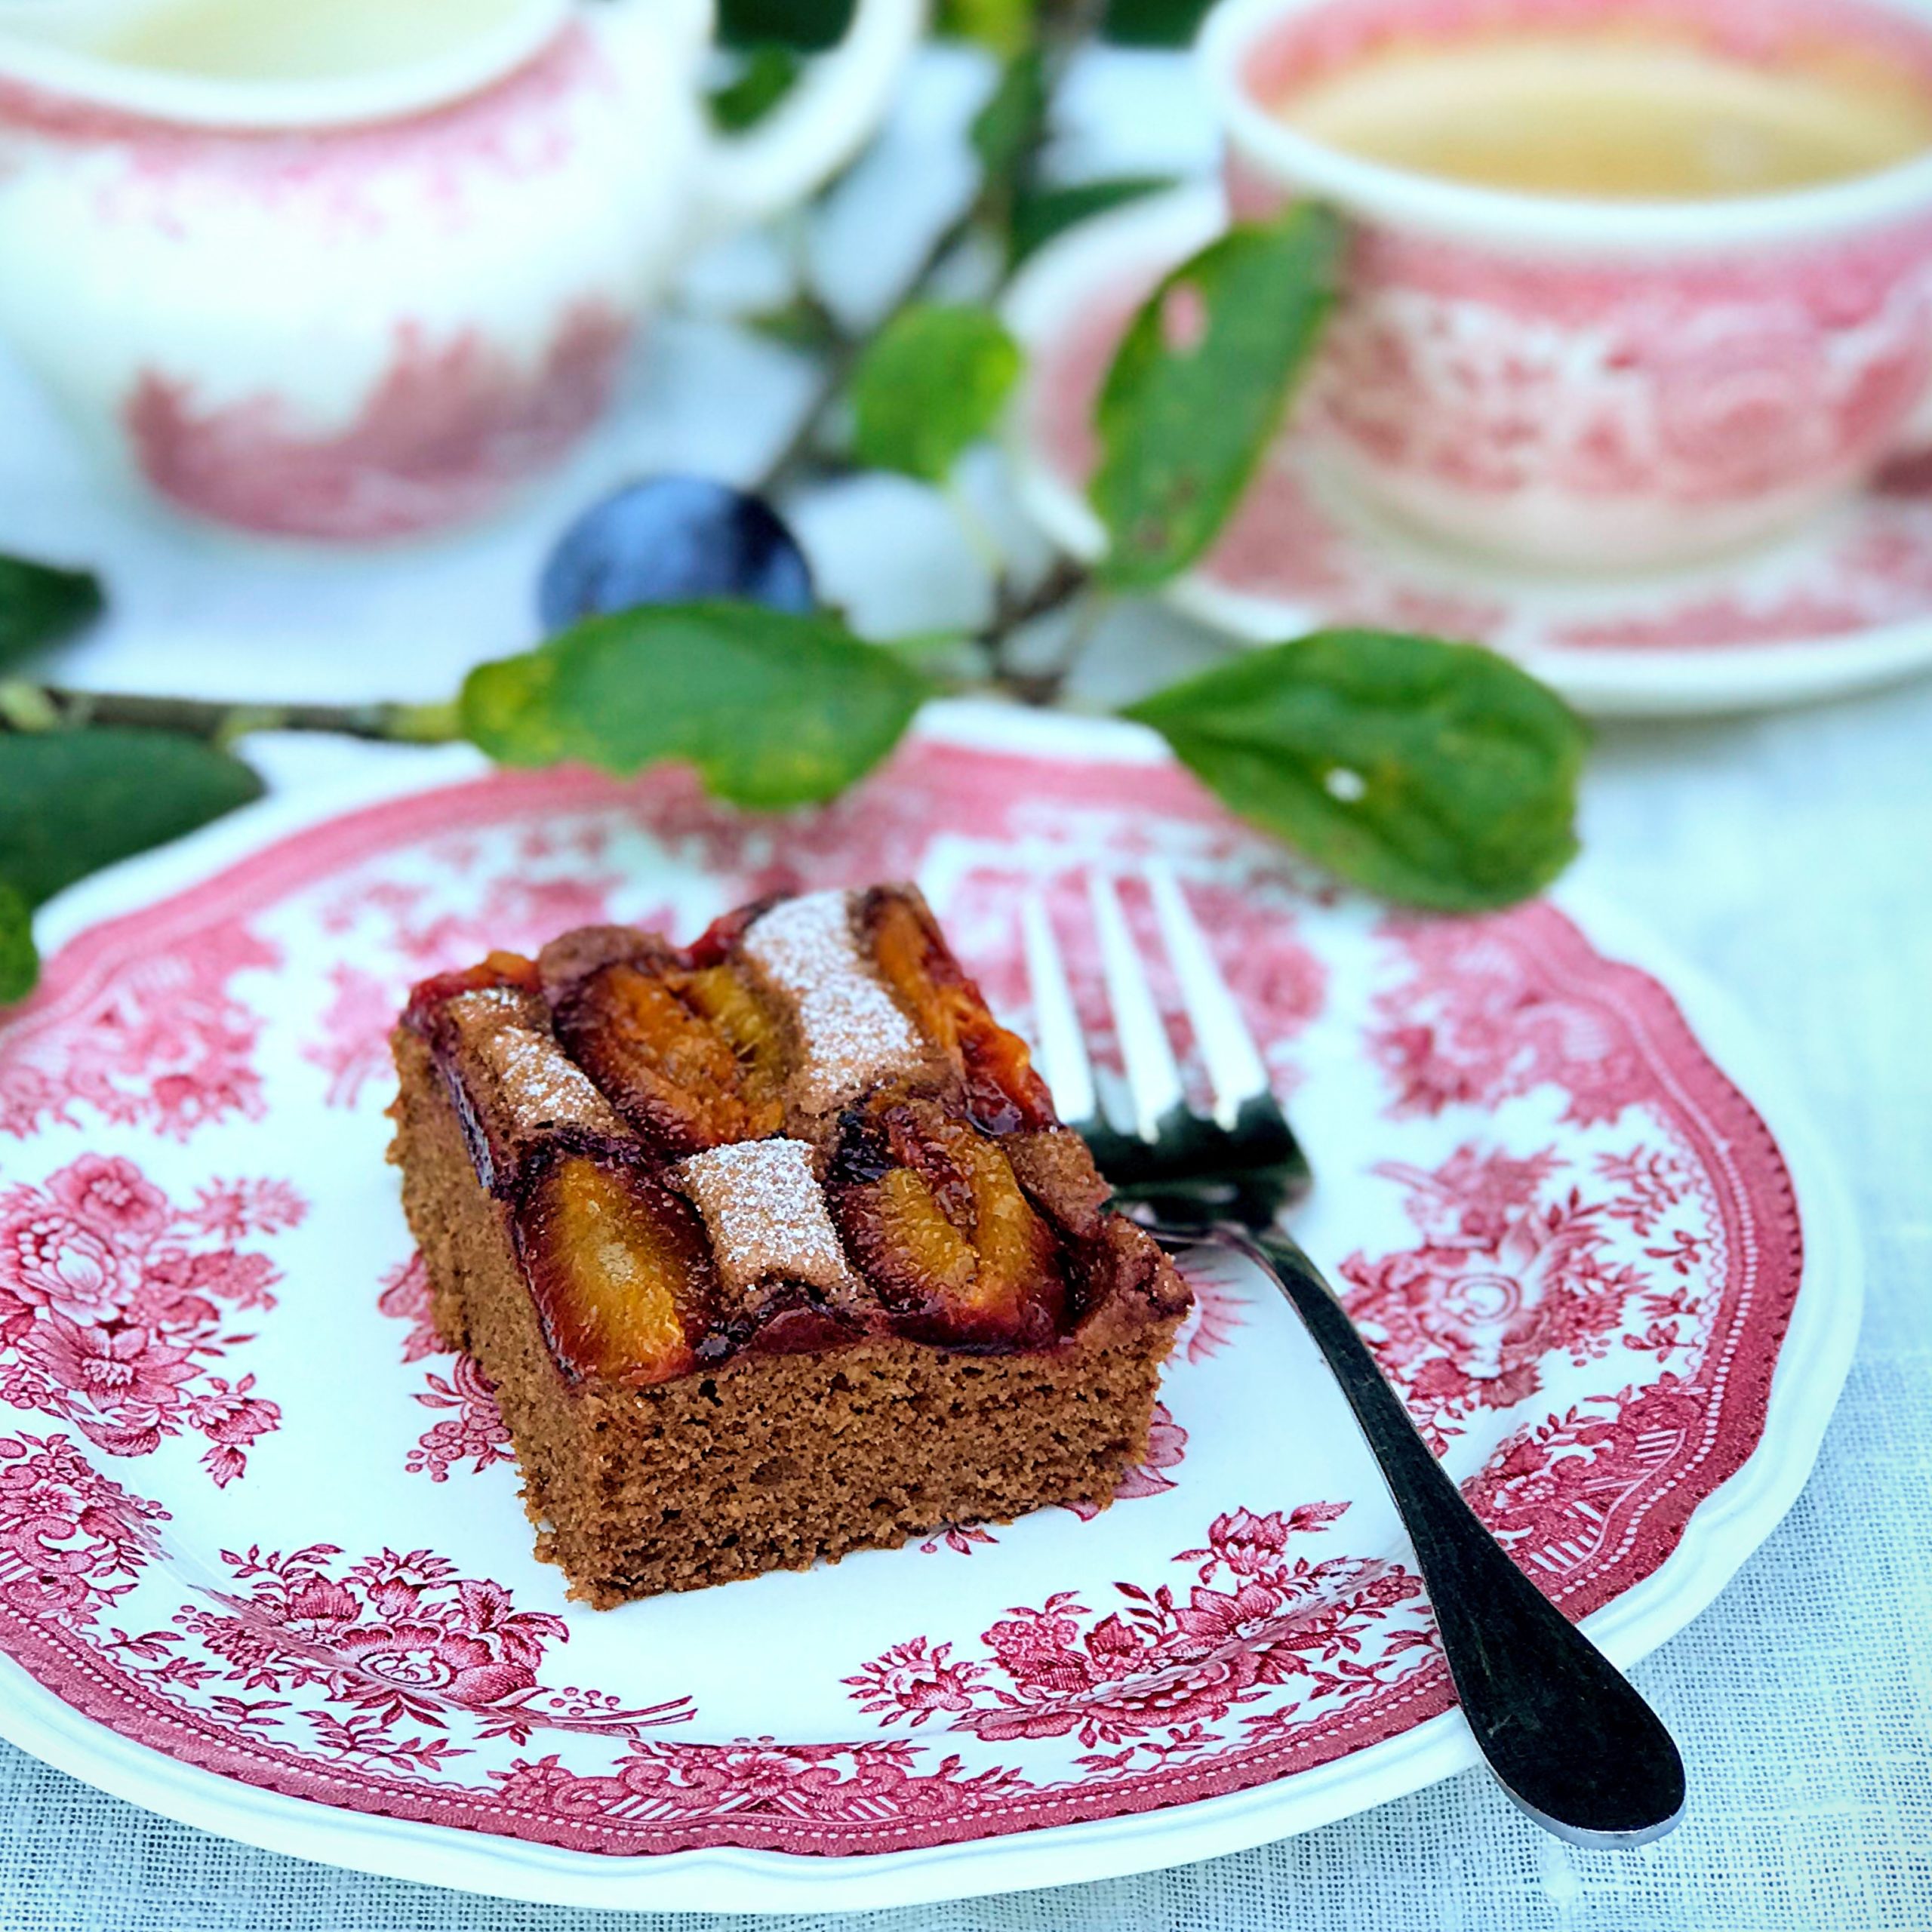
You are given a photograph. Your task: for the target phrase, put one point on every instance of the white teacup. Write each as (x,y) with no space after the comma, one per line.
(352,270)
(1595,383)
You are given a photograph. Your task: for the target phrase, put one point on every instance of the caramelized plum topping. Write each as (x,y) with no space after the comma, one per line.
(516,1093)
(572,957)
(945,1232)
(920,1248)
(691,1060)
(746,1025)
(719,941)
(620,1271)
(1002,1089)
(1059,1175)
(497,969)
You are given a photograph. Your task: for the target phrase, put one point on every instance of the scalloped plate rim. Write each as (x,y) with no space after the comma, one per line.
(1724,1529)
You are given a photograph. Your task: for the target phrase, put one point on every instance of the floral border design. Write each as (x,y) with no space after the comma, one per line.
(111,1306)
(1637,1462)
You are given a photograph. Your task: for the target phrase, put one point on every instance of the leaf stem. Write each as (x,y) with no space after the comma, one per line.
(25,706)
(795,457)
(1087,604)
(1015,611)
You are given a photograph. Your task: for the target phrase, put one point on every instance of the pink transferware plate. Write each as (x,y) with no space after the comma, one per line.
(263,1566)
(1843,605)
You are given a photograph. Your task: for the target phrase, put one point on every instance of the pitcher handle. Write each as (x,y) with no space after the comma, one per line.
(837,101)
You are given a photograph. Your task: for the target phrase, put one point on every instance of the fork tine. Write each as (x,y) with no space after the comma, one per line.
(1064,1066)
(1153,1078)
(1235,1067)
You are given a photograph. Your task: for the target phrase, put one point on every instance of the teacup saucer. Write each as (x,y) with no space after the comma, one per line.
(1844,604)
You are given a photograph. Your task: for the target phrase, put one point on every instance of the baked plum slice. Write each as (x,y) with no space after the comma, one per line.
(1002,1090)
(619,1269)
(427,998)
(930,1208)
(692,1057)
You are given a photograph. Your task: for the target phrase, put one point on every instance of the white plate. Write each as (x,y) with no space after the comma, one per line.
(1844,604)
(1556,1175)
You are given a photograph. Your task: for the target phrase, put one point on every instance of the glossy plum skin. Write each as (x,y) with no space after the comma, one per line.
(672,540)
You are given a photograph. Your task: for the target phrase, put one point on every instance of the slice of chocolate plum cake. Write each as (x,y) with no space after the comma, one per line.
(772,1245)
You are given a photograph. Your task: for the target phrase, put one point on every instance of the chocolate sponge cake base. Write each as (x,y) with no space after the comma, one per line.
(774,1461)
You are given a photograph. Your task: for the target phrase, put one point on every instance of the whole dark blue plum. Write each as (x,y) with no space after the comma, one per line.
(673,539)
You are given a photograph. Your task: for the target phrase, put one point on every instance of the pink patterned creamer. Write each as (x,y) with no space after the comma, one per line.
(1596,385)
(363,306)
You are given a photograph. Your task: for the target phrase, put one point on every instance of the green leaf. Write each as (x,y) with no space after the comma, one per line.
(932,382)
(1005,25)
(20,964)
(1005,129)
(773,709)
(1040,214)
(802,322)
(765,79)
(40,605)
(1200,385)
(809,25)
(71,801)
(1438,775)
(1153,23)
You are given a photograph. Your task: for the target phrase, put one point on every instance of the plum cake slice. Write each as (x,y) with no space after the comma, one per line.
(771,1244)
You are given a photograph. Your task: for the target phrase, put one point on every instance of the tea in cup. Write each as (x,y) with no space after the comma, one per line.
(1632,281)
(1635,115)
(244,40)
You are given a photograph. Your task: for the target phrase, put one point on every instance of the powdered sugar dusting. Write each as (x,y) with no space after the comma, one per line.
(852,1032)
(511,999)
(766,1216)
(537,1078)
(542,1078)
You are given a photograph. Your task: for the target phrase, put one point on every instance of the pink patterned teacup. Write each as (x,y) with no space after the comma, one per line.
(1596,383)
(348,269)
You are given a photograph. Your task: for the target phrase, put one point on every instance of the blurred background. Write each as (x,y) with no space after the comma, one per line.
(711,386)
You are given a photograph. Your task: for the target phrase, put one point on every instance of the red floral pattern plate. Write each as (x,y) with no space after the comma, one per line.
(1840,605)
(261,1563)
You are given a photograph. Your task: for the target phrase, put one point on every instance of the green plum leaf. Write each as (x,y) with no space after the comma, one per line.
(933,383)
(1436,774)
(1153,23)
(41,604)
(810,25)
(1040,214)
(773,709)
(1006,130)
(1199,387)
(73,801)
(20,964)
(1004,26)
(767,75)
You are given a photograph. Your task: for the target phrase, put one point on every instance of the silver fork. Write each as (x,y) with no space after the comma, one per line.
(1567,1735)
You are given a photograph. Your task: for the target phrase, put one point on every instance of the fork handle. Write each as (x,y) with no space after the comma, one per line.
(1566,1734)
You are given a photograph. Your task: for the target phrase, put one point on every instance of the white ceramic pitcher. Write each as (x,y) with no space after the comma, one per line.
(360,288)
